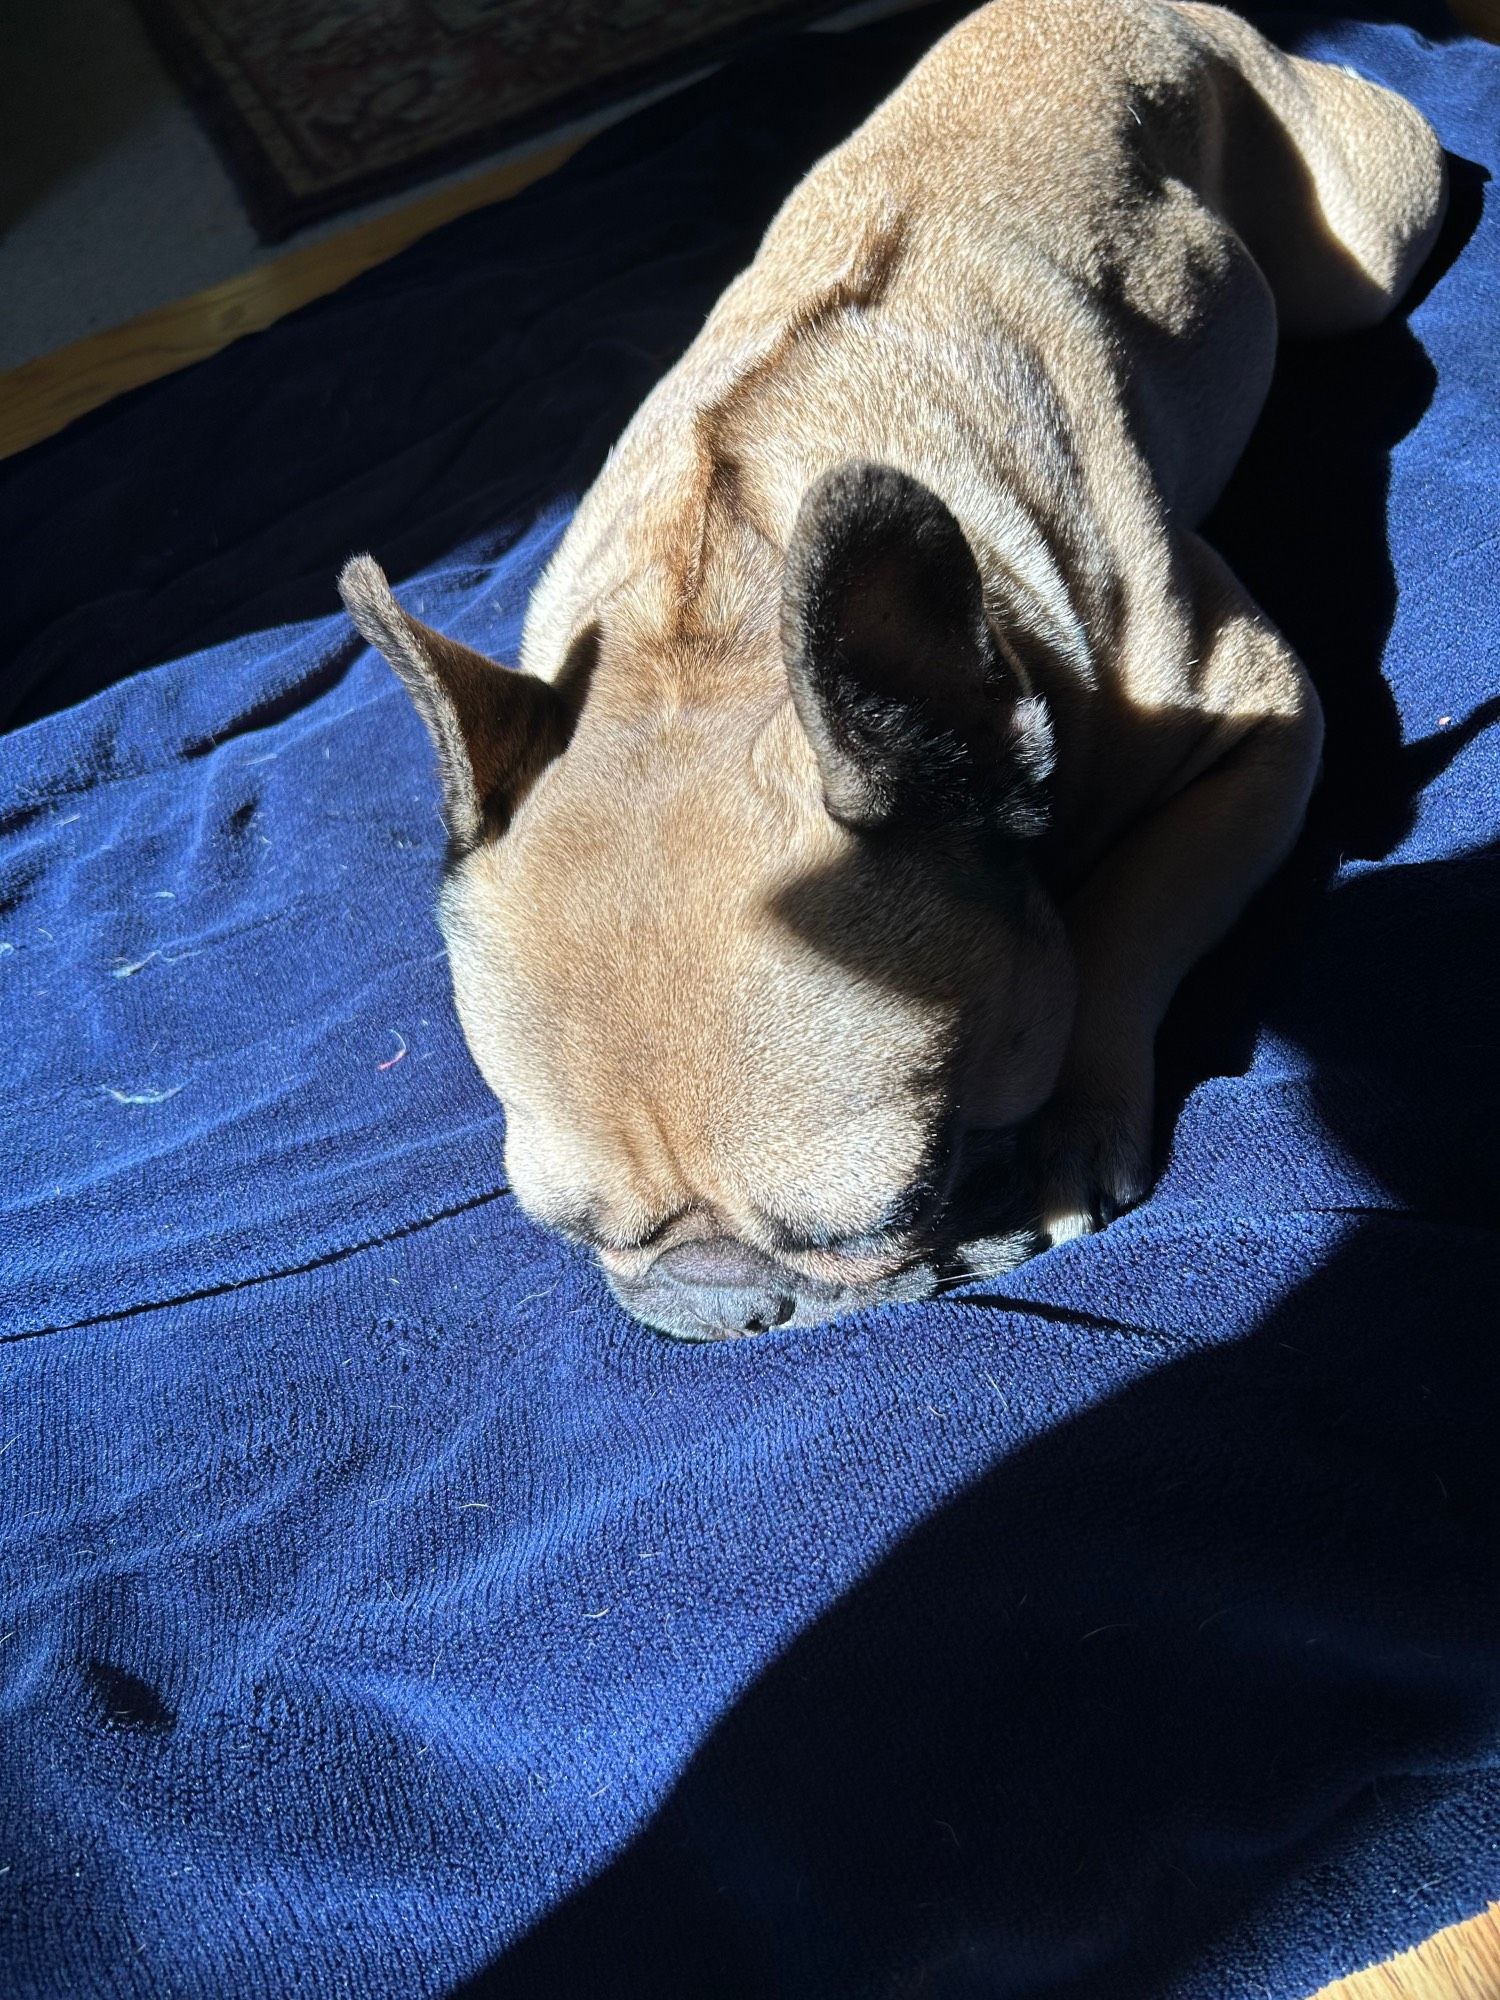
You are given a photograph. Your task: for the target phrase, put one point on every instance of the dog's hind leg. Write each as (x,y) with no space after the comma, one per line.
(1336,185)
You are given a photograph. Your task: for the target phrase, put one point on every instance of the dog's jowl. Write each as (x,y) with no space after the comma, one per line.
(887,744)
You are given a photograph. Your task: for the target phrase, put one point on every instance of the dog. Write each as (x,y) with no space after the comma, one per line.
(886,743)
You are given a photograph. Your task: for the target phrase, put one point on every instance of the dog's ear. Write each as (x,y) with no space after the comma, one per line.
(494,730)
(915,717)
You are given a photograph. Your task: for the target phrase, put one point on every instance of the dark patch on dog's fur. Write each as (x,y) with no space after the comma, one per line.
(716,465)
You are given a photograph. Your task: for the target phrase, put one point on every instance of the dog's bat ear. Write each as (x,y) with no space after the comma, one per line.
(494,729)
(914,715)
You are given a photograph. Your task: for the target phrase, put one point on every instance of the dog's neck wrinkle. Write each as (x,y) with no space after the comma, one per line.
(711,555)
(1008,467)
(719,645)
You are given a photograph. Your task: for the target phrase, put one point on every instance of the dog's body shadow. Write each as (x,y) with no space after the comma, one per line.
(1303,525)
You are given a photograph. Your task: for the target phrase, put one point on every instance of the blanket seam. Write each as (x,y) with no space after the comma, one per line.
(257,1277)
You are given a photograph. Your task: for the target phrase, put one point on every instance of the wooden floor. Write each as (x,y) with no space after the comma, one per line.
(1458,1964)
(1478,17)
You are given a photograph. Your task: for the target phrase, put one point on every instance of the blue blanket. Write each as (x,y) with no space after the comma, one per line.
(383,1612)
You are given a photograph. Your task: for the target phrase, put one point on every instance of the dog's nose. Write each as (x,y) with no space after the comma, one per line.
(725,1285)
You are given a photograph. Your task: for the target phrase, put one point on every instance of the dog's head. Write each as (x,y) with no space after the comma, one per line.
(744,972)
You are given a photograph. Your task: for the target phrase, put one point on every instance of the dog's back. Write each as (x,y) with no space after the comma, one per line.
(1045,278)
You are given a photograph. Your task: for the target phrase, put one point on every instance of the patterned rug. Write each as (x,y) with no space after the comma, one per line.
(319,105)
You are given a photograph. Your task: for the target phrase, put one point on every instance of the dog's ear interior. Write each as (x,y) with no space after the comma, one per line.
(494,729)
(916,718)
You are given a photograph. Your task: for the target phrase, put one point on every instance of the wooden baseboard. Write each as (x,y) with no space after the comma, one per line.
(43,395)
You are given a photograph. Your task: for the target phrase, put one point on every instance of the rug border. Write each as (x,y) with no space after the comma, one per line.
(247,140)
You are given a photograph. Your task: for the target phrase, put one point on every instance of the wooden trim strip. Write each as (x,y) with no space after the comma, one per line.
(41,396)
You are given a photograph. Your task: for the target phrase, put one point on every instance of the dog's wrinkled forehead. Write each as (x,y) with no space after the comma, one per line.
(692,942)
(690,999)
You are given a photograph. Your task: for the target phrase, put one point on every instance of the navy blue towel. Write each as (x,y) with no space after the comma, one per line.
(381,1611)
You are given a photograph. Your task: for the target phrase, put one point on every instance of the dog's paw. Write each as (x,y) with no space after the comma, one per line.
(1094,1160)
(990,1256)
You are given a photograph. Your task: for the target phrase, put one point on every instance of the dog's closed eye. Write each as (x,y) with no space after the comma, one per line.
(788,1240)
(649,1238)
(588,1228)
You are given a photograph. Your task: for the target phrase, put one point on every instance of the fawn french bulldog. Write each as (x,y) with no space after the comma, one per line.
(887,744)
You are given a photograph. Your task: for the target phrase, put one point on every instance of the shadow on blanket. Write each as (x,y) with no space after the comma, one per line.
(1303,525)
(1155,1567)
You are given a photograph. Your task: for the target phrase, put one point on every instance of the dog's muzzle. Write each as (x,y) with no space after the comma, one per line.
(722,1289)
(726,1290)
(718,1289)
